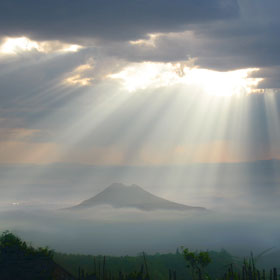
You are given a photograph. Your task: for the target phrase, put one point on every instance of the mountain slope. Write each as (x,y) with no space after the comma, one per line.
(121,196)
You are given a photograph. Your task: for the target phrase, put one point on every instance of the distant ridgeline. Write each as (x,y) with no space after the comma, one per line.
(119,195)
(19,261)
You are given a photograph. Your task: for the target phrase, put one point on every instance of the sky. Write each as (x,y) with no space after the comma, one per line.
(180,97)
(138,83)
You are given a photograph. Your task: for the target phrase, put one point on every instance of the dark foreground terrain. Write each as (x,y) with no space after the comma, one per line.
(19,260)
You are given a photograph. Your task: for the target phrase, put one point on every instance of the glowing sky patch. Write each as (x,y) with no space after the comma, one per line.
(155,75)
(13,46)
(78,80)
(80,76)
(28,152)
(146,42)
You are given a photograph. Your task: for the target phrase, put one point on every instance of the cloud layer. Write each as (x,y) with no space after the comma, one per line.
(106,19)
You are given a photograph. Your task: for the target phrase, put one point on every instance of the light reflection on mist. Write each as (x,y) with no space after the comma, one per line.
(104,230)
(231,187)
(157,140)
(152,149)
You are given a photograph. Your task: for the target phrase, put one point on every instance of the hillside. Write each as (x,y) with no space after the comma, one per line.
(119,195)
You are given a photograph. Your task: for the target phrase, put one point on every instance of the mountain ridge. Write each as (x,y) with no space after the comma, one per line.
(119,195)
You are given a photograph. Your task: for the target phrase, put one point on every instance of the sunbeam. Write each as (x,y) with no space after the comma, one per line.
(128,126)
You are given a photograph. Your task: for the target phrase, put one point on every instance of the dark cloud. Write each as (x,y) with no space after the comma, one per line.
(250,40)
(111,19)
(221,35)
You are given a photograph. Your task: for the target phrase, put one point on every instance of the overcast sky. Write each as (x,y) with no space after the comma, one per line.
(136,83)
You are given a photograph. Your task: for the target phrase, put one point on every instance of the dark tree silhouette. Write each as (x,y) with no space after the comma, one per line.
(18,260)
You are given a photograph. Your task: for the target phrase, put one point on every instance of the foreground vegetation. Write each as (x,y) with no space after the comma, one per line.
(18,260)
(159,266)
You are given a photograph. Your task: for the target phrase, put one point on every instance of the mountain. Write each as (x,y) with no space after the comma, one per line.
(119,195)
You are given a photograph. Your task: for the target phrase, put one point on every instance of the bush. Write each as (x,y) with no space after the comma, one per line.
(18,260)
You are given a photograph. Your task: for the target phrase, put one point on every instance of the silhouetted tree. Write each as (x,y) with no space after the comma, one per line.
(197,262)
(18,260)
